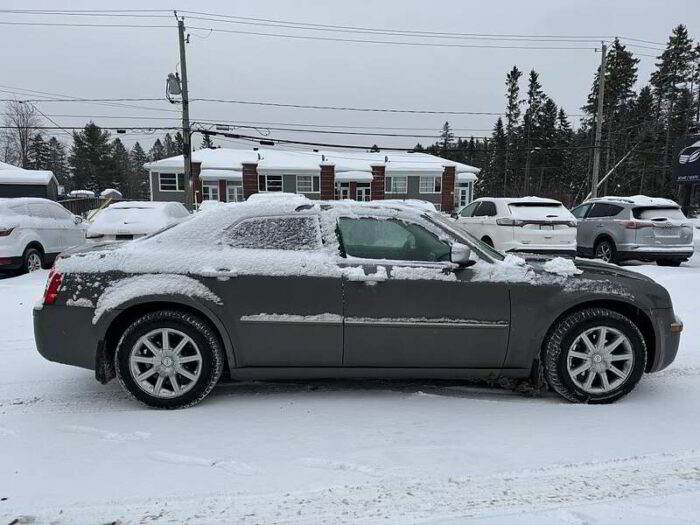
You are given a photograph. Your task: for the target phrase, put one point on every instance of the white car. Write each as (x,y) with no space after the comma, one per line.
(528,224)
(34,231)
(127,220)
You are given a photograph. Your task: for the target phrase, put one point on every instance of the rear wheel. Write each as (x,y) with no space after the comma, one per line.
(595,355)
(605,251)
(669,262)
(32,260)
(169,359)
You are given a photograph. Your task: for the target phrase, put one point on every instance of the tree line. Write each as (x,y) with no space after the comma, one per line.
(534,150)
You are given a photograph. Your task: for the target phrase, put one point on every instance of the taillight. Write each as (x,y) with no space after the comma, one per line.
(509,222)
(637,225)
(4,232)
(53,286)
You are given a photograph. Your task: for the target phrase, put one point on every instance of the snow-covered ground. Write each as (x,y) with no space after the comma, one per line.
(73,451)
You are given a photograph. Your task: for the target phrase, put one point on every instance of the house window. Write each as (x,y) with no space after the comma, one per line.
(210,191)
(171,181)
(308,183)
(430,184)
(396,185)
(234,191)
(270,183)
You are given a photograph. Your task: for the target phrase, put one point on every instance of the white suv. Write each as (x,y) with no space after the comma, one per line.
(34,231)
(528,224)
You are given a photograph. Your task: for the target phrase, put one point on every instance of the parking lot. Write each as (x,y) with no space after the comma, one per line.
(75,451)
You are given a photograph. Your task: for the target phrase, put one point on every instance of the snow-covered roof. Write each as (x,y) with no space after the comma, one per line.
(219,174)
(21,176)
(6,166)
(111,192)
(153,205)
(353,176)
(278,161)
(639,200)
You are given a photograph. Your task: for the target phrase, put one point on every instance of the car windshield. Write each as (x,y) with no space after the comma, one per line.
(454,228)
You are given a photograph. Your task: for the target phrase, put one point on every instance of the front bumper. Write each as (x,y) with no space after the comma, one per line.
(65,334)
(667,327)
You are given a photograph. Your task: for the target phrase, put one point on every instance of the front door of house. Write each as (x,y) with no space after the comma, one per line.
(363,192)
(462,197)
(344,191)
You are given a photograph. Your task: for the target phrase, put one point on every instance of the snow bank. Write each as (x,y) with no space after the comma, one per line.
(561,266)
(141,285)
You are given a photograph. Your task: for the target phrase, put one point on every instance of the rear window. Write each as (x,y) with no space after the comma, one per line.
(658,213)
(276,233)
(531,210)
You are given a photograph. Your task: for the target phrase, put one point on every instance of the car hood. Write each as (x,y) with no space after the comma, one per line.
(591,268)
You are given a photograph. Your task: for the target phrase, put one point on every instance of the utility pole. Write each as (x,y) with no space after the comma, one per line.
(598,122)
(186,133)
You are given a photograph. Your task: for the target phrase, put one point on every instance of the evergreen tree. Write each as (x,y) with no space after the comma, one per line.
(446,139)
(531,124)
(170,146)
(207,143)
(138,184)
(91,159)
(38,153)
(179,143)
(511,126)
(122,166)
(57,161)
(490,181)
(157,151)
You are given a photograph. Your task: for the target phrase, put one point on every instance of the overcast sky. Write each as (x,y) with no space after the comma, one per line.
(94,62)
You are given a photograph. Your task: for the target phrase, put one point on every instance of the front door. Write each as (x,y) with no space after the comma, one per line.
(462,197)
(278,317)
(363,192)
(412,309)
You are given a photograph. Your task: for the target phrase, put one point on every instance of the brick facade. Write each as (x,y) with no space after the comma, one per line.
(377,184)
(222,190)
(250,179)
(327,182)
(447,202)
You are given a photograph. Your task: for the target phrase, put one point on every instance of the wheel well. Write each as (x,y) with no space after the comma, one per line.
(487,240)
(635,314)
(37,245)
(604,237)
(128,316)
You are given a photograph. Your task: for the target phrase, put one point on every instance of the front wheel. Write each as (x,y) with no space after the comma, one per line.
(605,251)
(169,359)
(594,355)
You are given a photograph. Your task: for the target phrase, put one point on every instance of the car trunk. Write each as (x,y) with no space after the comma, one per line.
(667,226)
(543,223)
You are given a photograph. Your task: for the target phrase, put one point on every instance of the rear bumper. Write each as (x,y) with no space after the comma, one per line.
(65,334)
(667,341)
(656,253)
(10,263)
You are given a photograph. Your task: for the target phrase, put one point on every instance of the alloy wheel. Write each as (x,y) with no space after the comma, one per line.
(165,363)
(600,360)
(604,252)
(33,262)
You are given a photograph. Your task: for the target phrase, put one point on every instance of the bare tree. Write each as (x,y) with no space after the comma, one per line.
(20,121)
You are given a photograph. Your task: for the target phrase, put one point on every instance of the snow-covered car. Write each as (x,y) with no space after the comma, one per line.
(34,231)
(299,288)
(528,225)
(81,194)
(127,220)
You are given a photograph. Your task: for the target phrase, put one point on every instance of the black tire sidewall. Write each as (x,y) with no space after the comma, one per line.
(211,358)
(625,326)
(612,250)
(25,259)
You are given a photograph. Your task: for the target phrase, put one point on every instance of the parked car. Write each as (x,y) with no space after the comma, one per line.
(306,289)
(127,220)
(34,231)
(529,224)
(617,229)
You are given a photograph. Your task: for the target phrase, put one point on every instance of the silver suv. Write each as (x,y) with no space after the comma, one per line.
(615,229)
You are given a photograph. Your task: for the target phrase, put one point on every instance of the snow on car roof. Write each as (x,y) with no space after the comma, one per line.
(276,160)
(638,200)
(524,200)
(141,204)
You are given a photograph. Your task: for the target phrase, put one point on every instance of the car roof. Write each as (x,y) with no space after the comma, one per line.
(518,200)
(27,200)
(635,200)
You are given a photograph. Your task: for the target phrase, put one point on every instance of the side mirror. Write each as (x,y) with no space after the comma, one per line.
(460,254)
(77,219)
(454,215)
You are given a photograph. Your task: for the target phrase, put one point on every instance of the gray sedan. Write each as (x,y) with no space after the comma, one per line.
(292,288)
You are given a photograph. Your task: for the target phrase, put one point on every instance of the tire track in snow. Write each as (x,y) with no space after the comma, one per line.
(423,501)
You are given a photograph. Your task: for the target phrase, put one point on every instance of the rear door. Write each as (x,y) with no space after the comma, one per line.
(290,312)
(404,306)
(48,229)
(72,233)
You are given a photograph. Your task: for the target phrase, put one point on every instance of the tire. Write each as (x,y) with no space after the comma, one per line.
(560,365)
(487,241)
(605,250)
(669,262)
(32,260)
(202,358)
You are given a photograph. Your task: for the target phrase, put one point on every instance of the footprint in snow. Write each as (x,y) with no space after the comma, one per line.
(226,464)
(118,437)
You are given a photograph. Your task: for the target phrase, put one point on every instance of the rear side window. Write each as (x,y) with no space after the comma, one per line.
(658,213)
(602,209)
(276,233)
(40,210)
(485,209)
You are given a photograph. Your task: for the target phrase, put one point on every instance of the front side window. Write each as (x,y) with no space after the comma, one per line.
(210,191)
(396,185)
(234,191)
(270,183)
(308,183)
(430,184)
(275,233)
(391,239)
(171,181)
(467,211)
